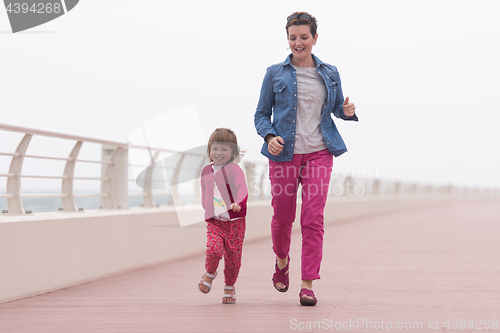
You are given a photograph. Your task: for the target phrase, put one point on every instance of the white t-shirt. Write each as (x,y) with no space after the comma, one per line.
(311,96)
(220,206)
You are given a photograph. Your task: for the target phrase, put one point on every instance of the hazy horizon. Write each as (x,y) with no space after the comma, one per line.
(423,76)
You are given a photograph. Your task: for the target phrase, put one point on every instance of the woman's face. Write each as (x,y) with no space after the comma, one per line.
(301,41)
(220,153)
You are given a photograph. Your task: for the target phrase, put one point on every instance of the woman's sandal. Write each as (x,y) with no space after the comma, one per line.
(281,275)
(205,283)
(233,296)
(307,300)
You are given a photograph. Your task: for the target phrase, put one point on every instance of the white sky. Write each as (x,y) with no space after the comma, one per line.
(424,75)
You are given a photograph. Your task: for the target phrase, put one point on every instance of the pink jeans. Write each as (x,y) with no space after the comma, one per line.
(313,171)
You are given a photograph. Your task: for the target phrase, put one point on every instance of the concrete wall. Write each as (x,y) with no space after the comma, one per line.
(48,251)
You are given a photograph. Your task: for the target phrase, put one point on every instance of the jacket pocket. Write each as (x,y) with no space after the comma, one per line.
(279,90)
(333,91)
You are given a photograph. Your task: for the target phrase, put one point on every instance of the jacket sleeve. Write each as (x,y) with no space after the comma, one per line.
(239,187)
(262,117)
(338,109)
(203,188)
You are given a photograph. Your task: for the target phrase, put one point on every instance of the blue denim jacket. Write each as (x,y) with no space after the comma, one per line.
(278,98)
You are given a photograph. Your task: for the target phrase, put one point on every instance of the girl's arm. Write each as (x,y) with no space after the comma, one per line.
(239,187)
(202,183)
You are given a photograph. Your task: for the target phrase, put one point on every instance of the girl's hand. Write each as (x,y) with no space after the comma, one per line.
(235,207)
(275,145)
(349,108)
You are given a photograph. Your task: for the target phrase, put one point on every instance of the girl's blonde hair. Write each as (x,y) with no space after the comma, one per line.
(225,136)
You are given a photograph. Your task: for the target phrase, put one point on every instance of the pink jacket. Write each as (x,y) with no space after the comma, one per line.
(236,182)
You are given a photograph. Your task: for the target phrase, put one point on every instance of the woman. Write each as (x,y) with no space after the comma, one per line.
(293,116)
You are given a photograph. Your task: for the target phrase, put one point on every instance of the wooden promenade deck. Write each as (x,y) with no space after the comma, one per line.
(415,270)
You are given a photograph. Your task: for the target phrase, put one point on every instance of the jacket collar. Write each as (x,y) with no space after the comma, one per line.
(316,60)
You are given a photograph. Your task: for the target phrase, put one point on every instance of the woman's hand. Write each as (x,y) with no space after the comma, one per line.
(275,145)
(235,207)
(349,108)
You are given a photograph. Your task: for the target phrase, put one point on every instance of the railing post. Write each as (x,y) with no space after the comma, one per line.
(147,199)
(175,180)
(197,187)
(15,203)
(115,183)
(397,188)
(69,203)
(348,186)
(250,178)
(375,187)
(120,179)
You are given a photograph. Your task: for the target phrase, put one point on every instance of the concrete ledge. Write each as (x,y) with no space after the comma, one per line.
(48,251)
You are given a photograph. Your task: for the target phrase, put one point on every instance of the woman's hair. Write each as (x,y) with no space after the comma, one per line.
(225,136)
(302,18)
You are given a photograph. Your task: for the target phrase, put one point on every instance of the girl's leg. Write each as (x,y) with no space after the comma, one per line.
(284,178)
(213,254)
(215,250)
(234,234)
(315,179)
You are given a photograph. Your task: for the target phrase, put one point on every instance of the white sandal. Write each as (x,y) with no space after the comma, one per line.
(205,283)
(233,296)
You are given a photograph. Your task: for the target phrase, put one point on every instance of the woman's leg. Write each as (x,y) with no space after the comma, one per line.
(315,178)
(284,184)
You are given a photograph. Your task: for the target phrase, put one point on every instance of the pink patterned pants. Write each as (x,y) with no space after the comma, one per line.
(225,239)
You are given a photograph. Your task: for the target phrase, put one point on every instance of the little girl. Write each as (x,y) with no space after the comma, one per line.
(224,198)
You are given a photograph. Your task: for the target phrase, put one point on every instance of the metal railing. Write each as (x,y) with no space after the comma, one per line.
(13,187)
(114,179)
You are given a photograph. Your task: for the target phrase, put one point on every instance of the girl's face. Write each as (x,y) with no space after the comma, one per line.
(220,153)
(301,41)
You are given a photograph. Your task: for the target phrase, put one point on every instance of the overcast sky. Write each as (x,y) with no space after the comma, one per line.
(424,76)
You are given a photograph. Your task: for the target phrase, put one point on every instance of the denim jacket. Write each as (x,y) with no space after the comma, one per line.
(278,98)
